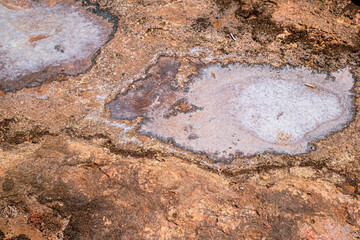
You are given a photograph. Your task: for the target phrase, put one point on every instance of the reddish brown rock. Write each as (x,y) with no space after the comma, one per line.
(70,171)
(51,2)
(16,4)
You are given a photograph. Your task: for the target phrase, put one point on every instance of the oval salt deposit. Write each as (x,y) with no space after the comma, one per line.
(246,109)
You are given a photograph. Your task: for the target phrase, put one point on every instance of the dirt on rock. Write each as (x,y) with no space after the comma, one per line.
(68,170)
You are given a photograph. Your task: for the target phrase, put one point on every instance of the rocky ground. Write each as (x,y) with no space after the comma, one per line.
(70,171)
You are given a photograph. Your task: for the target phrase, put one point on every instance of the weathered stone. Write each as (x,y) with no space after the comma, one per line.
(68,170)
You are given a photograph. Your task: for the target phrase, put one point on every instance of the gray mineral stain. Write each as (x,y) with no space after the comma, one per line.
(239,109)
(40,41)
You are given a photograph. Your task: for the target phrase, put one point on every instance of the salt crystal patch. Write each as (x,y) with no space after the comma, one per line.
(282,112)
(238,109)
(33,39)
(253,109)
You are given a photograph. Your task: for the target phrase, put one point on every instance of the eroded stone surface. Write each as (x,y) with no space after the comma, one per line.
(82,191)
(40,41)
(152,94)
(70,171)
(239,109)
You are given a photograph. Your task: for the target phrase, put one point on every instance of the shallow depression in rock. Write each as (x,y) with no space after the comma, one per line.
(39,41)
(240,109)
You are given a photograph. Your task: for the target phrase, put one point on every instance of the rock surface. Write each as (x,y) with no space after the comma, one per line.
(68,170)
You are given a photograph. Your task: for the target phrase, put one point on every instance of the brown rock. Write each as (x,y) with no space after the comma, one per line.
(16,4)
(70,171)
(51,3)
(37,38)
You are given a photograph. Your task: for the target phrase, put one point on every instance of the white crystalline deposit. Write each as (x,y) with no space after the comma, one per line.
(42,36)
(283,112)
(253,109)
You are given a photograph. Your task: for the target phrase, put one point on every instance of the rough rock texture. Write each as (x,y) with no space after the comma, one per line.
(70,171)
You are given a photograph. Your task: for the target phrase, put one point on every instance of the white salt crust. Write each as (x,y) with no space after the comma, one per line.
(76,36)
(254,109)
